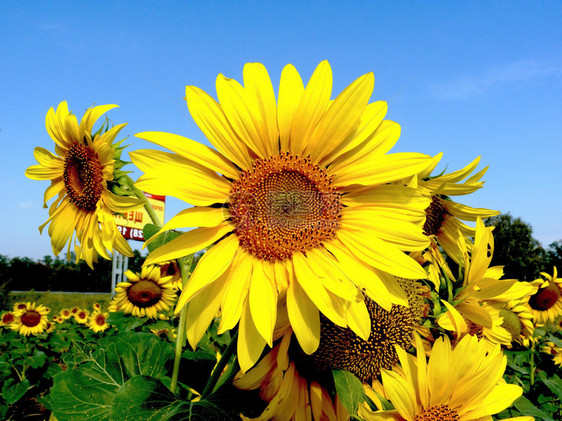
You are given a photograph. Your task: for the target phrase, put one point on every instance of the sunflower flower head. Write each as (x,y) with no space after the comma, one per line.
(32,320)
(81,316)
(297,199)
(7,319)
(144,295)
(546,303)
(97,321)
(82,172)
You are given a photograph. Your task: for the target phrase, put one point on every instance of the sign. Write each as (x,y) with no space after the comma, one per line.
(130,224)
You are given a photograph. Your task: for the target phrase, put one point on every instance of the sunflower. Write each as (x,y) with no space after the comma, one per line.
(81,316)
(297,197)
(31,320)
(546,303)
(7,319)
(553,350)
(144,295)
(461,384)
(96,306)
(286,385)
(66,313)
(81,172)
(444,215)
(172,269)
(20,305)
(97,321)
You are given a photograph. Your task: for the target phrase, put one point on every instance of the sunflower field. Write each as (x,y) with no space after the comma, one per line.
(313,274)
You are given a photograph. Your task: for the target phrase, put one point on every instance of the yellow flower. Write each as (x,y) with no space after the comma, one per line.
(79,172)
(297,198)
(144,295)
(81,316)
(444,215)
(7,319)
(65,313)
(553,350)
(97,321)
(464,383)
(546,303)
(289,389)
(31,320)
(20,305)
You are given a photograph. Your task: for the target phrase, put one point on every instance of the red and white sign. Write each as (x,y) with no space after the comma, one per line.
(130,224)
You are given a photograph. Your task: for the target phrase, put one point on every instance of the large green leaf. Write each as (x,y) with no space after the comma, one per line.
(150,230)
(526,407)
(349,389)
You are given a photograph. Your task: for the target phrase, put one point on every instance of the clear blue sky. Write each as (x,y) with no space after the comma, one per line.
(464,78)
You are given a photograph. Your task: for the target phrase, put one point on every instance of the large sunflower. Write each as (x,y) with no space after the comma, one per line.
(460,384)
(145,294)
(79,172)
(297,196)
(31,320)
(546,303)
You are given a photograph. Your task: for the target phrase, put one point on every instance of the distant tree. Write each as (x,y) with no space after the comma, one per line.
(554,257)
(515,248)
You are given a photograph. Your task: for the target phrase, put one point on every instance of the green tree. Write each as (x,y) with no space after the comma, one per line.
(515,248)
(554,257)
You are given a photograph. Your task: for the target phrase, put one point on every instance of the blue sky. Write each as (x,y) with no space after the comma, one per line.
(462,78)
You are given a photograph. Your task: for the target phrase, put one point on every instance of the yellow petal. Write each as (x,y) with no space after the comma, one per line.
(291,89)
(236,291)
(250,342)
(304,317)
(263,302)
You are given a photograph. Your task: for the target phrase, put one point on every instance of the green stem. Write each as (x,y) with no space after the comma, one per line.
(532,371)
(225,358)
(140,194)
(184,269)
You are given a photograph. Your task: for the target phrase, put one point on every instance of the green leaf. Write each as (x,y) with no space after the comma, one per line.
(525,406)
(349,389)
(77,396)
(37,360)
(150,230)
(146,398)
(13,392)
(555,385)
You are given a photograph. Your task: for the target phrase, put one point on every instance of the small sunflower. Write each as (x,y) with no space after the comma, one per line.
(460,384)
(66,313)
(546,303)
(172,269)
(7,319)
(145,295)
(97,321)
(31,320)
(550,348)
(96,306)
(443,222)
(81,316)
(286,385)
(74,310)
(297,198)
(20,305)
(81,172)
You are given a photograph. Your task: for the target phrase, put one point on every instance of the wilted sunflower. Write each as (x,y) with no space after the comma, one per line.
(80,173)
(31,320)
(97,321)
(144,295)
(297,196)
(444,215)
(546,303)
(460,384)
(81,316)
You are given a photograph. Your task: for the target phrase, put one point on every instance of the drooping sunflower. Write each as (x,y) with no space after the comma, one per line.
(80,172)
(144,295)
(31,320)
(444,216)
(546,303)
(97,321)
(460,384)
(297,198)
(81,316)
(286,385)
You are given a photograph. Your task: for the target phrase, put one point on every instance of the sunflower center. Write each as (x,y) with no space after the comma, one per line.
(283,205)
(546,297)
(144,293)
(8,318)
(100,320)
(21,306)
(438,413)
(83,177)
(341,348)
(511,323)
(435,215)
(81,315)
(30,318)
(474,329)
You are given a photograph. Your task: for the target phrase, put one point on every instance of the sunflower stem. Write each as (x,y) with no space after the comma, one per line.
(185,265)
(140,194)
(225,358)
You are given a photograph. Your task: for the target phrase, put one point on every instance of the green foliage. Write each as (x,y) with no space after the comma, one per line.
(516,248)
(349,389)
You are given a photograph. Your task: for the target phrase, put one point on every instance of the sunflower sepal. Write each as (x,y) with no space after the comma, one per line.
(349,389)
